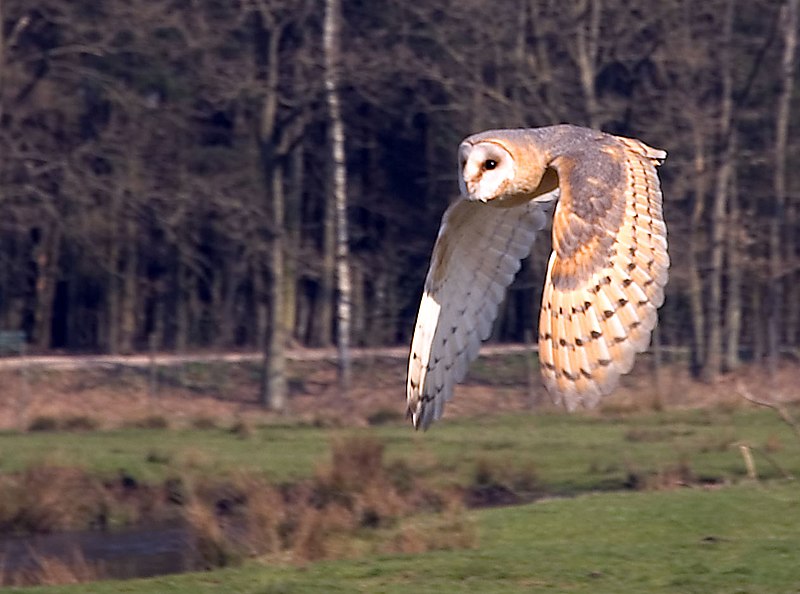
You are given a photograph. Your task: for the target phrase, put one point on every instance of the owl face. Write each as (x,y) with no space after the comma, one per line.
(486,170)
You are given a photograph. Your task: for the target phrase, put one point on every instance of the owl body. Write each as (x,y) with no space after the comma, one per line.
(605,275)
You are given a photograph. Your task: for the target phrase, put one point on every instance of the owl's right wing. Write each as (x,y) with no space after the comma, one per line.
(477,253)
(606,275)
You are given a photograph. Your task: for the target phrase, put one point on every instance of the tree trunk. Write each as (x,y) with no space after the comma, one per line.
(113,290)
(47,256)
(331,42)
(757,313)
(360,309)
(276,393)
(322,321)
(2,59)
(273,393)
(713,359)
(294,200)
(791,221)
(696,306)
(129,301)
(789,21)
(261,324)
(224,282)
(586,45)
(181,292)
(733,307)
(792,325)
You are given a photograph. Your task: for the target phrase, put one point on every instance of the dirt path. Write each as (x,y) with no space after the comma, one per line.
(73,362)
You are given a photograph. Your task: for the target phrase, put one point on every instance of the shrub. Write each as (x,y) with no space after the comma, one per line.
(242,429)
(500,482)
(43,423)
(204,423)
(156,457)
(80,423)
(150,422)
(384,416)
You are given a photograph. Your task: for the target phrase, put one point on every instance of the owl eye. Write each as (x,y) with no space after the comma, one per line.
(489,164)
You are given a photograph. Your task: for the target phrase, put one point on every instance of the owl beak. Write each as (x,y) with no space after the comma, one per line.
(467,186)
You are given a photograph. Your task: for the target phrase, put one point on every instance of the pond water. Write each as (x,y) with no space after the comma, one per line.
(120,555)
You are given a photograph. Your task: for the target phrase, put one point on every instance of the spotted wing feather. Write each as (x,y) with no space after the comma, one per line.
(606,275)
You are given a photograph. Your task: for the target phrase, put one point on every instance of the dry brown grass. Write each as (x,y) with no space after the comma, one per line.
(53,497)
(48,498)
(773,444)
(501,482)
(53,571)
(208,544)
(451,529)
(318,534)
(352,496)
(679,474)
(152,421)
(242,428)
(358,479)
(241,515)
(353,505)
(266,516)
(195,392)
(354,493)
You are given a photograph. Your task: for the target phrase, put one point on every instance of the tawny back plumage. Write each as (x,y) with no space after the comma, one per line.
(605,277)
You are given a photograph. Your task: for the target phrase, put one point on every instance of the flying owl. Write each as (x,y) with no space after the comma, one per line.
(605,277)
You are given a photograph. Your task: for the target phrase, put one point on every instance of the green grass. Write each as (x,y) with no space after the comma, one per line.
(738,539)
(743,537)
(569,453)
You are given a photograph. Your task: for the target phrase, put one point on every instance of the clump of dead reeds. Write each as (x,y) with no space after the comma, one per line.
(209,545)
(67,423)
(452,528)
(154,421)
(679,474)
(358,480)
(242,429)
(49,498)
(495,481)
(354,504)
(204,423)
(52,571)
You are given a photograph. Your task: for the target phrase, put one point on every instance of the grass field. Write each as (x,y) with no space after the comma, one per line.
(648,502)
(739,539)
(567,453)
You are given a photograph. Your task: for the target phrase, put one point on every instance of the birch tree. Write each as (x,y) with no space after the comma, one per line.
(338,186)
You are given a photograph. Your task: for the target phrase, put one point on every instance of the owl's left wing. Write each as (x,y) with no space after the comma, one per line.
(477,254)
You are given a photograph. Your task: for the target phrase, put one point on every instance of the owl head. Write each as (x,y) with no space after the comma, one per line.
(501,169)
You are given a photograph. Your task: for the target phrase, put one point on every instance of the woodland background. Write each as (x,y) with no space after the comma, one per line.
(167,166)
